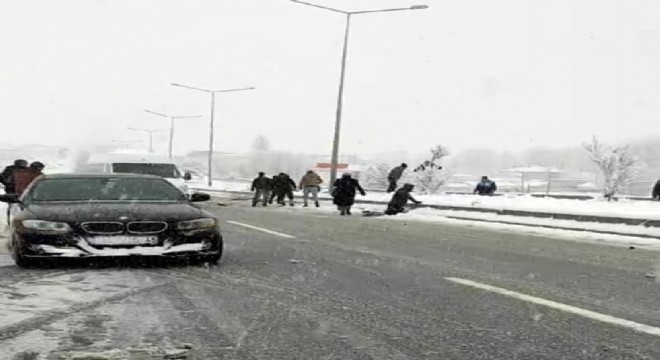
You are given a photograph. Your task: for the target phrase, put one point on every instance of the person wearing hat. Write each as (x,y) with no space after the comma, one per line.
(7,177)
(24,177)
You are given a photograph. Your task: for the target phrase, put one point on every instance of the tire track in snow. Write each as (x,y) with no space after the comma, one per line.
(29,306)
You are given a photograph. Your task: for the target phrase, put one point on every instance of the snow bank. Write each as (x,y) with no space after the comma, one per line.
(622,208)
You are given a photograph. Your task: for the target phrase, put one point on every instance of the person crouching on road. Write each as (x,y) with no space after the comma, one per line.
(7,177)
(344,193)
(485,187)
(285,187)
(400,199)
(24,177)
(309,184)
(261,186)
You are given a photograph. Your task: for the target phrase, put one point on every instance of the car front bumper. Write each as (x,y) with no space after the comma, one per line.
(79,247)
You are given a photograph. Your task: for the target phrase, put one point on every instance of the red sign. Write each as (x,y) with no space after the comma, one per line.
(328,165)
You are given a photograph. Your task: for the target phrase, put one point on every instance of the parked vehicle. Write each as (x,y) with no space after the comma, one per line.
(137,164)
(109,215)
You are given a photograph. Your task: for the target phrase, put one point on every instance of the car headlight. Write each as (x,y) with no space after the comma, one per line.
(205,223)
(46,226)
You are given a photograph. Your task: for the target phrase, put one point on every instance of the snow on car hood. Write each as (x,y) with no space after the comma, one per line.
(112,211)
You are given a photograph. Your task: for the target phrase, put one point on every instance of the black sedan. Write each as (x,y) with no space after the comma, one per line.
(109,215)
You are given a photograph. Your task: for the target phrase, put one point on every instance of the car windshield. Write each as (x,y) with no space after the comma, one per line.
(169,171)
(104,189)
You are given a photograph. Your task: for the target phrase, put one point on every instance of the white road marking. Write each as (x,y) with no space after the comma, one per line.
(272,232)
(647,329)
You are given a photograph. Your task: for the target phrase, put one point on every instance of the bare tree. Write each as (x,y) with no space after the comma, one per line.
(261,144)
(429,176)
(616,165)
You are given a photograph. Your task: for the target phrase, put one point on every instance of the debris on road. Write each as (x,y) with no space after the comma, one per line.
(294,261)
(651,276)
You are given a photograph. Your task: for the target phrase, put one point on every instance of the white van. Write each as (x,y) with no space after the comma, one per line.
(147,164)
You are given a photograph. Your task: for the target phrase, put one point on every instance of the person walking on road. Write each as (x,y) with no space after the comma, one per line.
(485,187)
(7,176)
(656,191)
(22,178)
(309,184)
(344,190)
(261,187)
(284,186)
(394,176)
(400,200)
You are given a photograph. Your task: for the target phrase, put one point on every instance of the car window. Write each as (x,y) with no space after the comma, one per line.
(103,189)
(163,170)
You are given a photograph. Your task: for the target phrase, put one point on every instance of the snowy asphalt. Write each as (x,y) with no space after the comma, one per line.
(307,284)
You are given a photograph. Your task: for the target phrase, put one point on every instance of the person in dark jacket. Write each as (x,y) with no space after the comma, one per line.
(344,190)
(485,186)
(274,183)
(7,176)
(656,191)
(394,176)
(284,187)
(22,178)
(400,199)
(261,187)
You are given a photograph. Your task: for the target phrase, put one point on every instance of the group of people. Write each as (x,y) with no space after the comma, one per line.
(343,191)
(17,177)
(281,186)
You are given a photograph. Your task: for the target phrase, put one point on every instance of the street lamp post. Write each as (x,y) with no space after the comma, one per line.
(151,136)
(340,97)
(212,122)
(172,120)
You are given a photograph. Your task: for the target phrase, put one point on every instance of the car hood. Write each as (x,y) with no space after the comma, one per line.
(106,211)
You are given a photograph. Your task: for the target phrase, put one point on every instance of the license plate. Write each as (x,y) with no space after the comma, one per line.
(122,240)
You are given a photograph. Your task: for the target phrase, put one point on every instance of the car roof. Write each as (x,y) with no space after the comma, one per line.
(100,176)
(129,159)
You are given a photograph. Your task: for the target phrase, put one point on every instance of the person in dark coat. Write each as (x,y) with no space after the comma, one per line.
(7,176)
(22,178)
(344,193)
(485,187)
(400,199)
(261,187)
(284,187)
(656,191)
(394,176)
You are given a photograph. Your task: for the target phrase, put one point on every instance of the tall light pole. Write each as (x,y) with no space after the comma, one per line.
(212,122)
(340,97)
(172,120)
(151,136)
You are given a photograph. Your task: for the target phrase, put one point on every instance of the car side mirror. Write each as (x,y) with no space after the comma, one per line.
(199,197)
(187,176)
(10,198)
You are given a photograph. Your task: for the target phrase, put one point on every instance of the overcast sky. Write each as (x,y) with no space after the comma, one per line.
(504,74)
